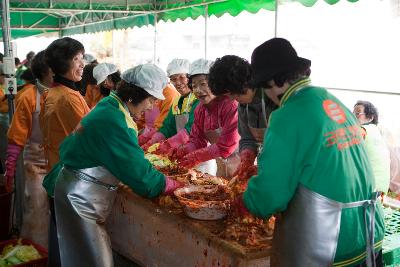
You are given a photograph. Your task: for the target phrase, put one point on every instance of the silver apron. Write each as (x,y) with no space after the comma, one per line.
(35,202)
(83,200)
(308,232)
(226,167)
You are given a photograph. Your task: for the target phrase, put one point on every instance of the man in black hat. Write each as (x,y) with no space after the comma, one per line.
(313,168)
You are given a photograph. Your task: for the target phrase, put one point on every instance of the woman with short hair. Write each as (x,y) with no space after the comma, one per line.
(378,152)
(64,106)
(214,133)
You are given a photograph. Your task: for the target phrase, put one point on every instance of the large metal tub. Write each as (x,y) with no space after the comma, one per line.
(151,236)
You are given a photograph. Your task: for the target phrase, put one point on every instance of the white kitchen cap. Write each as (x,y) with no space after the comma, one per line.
(178,65)
(200,66)
(101,71)
(89,58)
(149,77)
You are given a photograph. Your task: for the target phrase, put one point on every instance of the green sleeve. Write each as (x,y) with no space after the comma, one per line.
(188,125)
(168,128)
(110,143)
(271,190)
(125,159)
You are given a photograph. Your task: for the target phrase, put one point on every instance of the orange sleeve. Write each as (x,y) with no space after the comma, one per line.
(93,95)
(169,93)
(3,101)
(76,109)
(21,124)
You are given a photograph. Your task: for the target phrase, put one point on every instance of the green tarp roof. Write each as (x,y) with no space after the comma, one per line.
(85,16)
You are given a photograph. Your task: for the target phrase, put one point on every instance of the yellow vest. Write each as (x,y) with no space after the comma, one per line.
(186,106)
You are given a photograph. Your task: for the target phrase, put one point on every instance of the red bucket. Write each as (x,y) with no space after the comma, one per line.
(5,208)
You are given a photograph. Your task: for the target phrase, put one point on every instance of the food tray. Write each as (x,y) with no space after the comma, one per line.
(203,209)
(42,262)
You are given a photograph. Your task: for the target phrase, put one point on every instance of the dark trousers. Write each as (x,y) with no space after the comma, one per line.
(54,250)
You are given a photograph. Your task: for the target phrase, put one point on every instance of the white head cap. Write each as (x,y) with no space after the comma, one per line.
(88,58)
(200,66)
(101,71)
(149,77)
(178,65)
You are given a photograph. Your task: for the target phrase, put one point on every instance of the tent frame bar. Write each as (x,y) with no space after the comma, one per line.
(145,12)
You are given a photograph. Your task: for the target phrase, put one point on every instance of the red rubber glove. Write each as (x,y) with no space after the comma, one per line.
(171,185)
(156,138)
(194,158)
(238,207)
(13,152)
(146,135)
(247,158)
(167,147)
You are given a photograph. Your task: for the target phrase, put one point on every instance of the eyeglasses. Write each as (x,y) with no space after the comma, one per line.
(358,113)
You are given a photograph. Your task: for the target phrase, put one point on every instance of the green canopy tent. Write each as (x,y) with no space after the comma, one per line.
(32,17)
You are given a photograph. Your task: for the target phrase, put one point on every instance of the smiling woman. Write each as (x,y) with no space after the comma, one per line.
(64,106)
(62,110)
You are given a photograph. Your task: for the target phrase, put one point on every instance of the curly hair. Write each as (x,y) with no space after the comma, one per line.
(371,112)
(60,53)
(39,66)
(229,74)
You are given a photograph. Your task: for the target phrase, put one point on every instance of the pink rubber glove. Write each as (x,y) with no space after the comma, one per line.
(156,138)
(247,158)
(171,185)
(182,150)
(146,135)
(167,147)
(11,163)
(194,158)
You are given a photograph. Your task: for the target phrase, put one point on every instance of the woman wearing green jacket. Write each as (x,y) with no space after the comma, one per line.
(101,152)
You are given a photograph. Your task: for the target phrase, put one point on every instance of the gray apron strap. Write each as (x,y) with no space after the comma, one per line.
(369,225)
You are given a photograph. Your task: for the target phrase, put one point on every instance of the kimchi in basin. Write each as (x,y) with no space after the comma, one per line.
(204,202)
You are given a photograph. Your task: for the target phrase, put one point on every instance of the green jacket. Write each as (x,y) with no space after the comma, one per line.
(106,137)
(181,105)
(314,140)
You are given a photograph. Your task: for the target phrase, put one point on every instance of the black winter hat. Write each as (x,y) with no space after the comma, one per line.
(275,56)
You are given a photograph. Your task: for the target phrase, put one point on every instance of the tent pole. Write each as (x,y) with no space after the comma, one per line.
(6,28)
(205,30)
(155,39)
(276,18)
(15,212)
(8,52)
